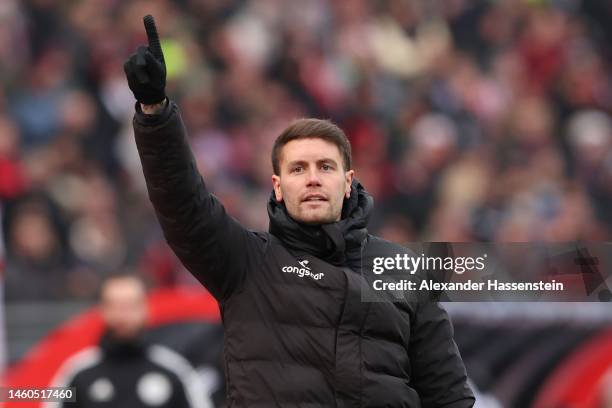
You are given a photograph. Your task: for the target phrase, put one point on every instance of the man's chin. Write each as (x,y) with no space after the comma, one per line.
(125,333)
(315,218)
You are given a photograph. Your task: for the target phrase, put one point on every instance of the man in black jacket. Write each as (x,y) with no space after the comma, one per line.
(124,370)
(297,333)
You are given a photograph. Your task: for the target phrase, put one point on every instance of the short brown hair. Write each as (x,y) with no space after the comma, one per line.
(310,128)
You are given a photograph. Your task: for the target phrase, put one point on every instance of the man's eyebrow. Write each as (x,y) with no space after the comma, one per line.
(295,162)
(302,162)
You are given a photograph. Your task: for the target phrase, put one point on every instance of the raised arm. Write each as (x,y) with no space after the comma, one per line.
(213,246)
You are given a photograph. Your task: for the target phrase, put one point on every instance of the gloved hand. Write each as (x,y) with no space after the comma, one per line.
(146,70)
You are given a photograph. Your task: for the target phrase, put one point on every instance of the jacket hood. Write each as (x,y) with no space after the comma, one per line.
(338,243)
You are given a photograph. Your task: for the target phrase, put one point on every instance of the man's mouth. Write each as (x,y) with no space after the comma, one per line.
(314,198)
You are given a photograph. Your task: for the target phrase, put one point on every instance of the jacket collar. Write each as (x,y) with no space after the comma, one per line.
(115,348)
(338,243)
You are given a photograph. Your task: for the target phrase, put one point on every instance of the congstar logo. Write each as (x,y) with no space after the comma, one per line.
(303,270)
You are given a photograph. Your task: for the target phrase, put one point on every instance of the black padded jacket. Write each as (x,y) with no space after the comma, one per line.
(297,333)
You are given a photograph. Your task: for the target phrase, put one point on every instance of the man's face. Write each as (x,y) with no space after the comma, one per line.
(124,307)
(312,183)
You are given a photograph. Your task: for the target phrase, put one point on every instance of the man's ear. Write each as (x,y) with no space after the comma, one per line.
(349,180)
(277,188)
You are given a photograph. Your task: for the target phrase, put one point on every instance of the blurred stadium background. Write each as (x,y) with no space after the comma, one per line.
(479,120)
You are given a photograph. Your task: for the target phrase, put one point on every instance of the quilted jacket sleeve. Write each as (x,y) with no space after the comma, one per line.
(213,246)
(439,375)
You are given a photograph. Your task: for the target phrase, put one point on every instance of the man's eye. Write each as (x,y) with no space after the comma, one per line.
(326,167)
(297,169)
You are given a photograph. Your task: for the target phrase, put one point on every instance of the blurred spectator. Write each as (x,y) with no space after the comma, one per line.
(38,259)
(124,370)
(12,171)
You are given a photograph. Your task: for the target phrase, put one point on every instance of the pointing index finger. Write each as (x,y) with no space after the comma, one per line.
(153,37)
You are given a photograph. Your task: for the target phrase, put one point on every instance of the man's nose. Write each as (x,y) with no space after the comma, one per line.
(313,178)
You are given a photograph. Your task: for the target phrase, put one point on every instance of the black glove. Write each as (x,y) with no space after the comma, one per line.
(146,70)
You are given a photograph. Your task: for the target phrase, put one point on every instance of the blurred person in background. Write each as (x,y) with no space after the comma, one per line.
(38,260)
(125,370)
(305,338)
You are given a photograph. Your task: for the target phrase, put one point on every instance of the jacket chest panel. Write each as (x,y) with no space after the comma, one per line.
(303,290)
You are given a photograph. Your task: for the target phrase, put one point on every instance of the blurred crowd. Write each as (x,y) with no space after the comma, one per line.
(470,120)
